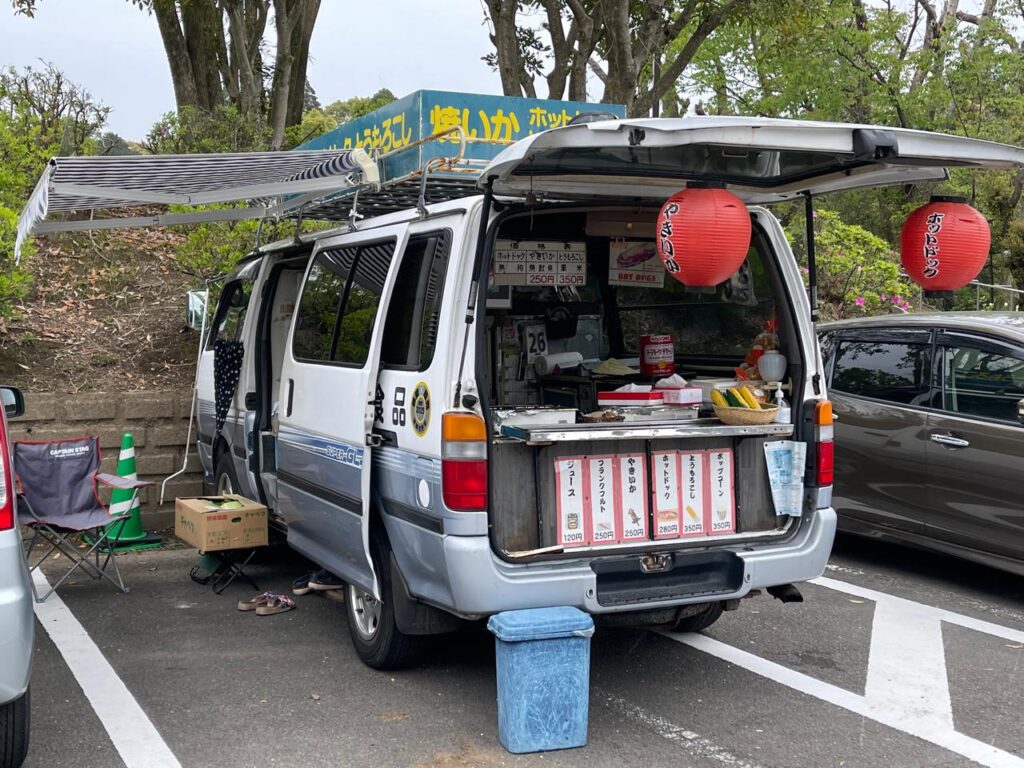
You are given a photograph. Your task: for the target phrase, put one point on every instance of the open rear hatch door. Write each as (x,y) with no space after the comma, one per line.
(761,160)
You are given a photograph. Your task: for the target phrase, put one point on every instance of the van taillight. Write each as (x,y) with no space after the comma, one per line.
(824,453)
(6,485)
(464,461)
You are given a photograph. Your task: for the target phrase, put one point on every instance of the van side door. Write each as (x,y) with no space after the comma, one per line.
(327,403)
(976,443)
(880,389)
(225,375)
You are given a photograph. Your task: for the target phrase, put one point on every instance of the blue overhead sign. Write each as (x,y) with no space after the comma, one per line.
(490,123)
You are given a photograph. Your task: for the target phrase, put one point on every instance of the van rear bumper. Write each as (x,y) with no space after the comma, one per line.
(16,619)
(482,584)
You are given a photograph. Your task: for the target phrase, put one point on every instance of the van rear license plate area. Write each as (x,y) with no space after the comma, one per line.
(634,580)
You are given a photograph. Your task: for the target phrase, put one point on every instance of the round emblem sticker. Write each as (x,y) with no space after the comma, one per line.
(419,409)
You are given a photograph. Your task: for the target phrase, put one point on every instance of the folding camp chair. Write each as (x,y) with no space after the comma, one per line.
(58,499)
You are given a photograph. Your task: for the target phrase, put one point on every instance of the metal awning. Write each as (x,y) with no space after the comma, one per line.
(273,183)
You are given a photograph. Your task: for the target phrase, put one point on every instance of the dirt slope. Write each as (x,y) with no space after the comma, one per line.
(106,312)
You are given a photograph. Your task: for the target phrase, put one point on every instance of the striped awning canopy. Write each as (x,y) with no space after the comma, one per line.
(273,184)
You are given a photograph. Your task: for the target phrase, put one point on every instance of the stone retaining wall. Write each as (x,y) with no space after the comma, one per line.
(158,422)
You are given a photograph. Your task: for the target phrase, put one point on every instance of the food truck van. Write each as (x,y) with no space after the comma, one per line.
(454,407)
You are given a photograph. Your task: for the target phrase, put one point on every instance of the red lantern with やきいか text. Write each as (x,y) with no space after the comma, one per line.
(703,235)
(944,244)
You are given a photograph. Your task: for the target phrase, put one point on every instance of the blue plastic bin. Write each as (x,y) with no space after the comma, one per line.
(543,661)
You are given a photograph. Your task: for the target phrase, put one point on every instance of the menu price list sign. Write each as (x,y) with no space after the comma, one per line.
(667,494)
(692,465)
(539,263)
(721,491)
(632,497)
(601,471)
(571,495)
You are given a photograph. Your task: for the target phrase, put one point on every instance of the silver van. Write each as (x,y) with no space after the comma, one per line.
(417,397)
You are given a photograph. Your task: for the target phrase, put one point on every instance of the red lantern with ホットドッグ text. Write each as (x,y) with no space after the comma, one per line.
(944,244)
(703,235)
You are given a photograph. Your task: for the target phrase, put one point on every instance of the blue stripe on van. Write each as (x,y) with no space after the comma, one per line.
(342,453)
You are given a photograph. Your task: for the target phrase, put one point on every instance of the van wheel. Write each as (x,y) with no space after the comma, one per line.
(14,726)
(700,621)
(224,478)
(371,622)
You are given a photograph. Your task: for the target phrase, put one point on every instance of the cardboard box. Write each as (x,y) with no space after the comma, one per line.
(615,398)
(204,525)
(683,395)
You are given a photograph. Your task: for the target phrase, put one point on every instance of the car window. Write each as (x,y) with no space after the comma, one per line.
(896,372)
(322,297)
(355,329)
(982,382)
(410,331)
(231,311)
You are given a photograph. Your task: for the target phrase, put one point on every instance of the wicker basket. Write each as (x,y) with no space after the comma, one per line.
(742,417)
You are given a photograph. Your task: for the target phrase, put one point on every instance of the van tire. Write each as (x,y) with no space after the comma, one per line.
(379,643)
(14,729)
(224,476)
(699,621)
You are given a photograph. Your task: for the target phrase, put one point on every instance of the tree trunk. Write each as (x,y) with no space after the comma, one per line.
(286,16)
(182,76)
(201,22)
(301,36)
(506,45)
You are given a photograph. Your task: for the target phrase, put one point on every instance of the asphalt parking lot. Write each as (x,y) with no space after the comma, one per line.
(896,658)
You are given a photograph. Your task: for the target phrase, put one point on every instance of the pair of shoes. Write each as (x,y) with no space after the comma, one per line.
(267,604)
(301,585)
(325,581)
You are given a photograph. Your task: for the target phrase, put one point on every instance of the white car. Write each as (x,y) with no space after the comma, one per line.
(16,621)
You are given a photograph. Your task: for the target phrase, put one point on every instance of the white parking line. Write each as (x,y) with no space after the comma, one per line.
(694,743)
(131,731)
(907,687)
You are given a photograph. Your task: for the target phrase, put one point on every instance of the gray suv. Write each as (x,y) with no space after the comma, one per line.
(929,433)
(16,621)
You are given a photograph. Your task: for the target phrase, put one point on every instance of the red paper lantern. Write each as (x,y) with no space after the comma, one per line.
(703,235)
(944,244)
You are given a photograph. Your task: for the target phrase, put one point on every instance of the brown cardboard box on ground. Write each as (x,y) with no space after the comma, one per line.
(208,528)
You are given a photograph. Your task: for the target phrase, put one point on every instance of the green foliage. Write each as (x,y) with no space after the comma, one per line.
(42,114)
(314,123)
(225,129)
(343,111)
(858,272)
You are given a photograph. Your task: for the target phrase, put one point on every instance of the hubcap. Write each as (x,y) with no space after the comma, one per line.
(364,609)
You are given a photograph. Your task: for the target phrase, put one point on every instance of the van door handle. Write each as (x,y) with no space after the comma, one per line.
(952,442)
(291,391)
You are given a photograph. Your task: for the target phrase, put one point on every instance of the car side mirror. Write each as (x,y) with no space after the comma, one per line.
(13,400)
(195,309)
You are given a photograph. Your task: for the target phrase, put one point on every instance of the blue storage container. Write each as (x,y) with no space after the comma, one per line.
(543,661)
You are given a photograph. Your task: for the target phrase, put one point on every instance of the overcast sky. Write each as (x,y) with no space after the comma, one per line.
(114,50)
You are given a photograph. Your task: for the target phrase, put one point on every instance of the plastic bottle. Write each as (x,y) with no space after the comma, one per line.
(783,416)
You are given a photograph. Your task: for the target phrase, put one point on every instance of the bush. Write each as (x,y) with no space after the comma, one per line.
(192,130)
(858,272)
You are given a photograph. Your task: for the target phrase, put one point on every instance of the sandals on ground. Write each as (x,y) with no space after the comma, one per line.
(256,602)
(279,604)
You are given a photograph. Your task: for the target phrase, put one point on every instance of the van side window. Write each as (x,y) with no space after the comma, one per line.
(231,311)
(982,382)
(359,310)
(322,297)
(896,372)
(410,331)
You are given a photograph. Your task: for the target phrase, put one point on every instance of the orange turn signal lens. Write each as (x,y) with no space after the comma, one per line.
(461,426)
(823,414)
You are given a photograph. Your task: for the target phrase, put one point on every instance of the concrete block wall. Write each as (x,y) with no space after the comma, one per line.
(158,422)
